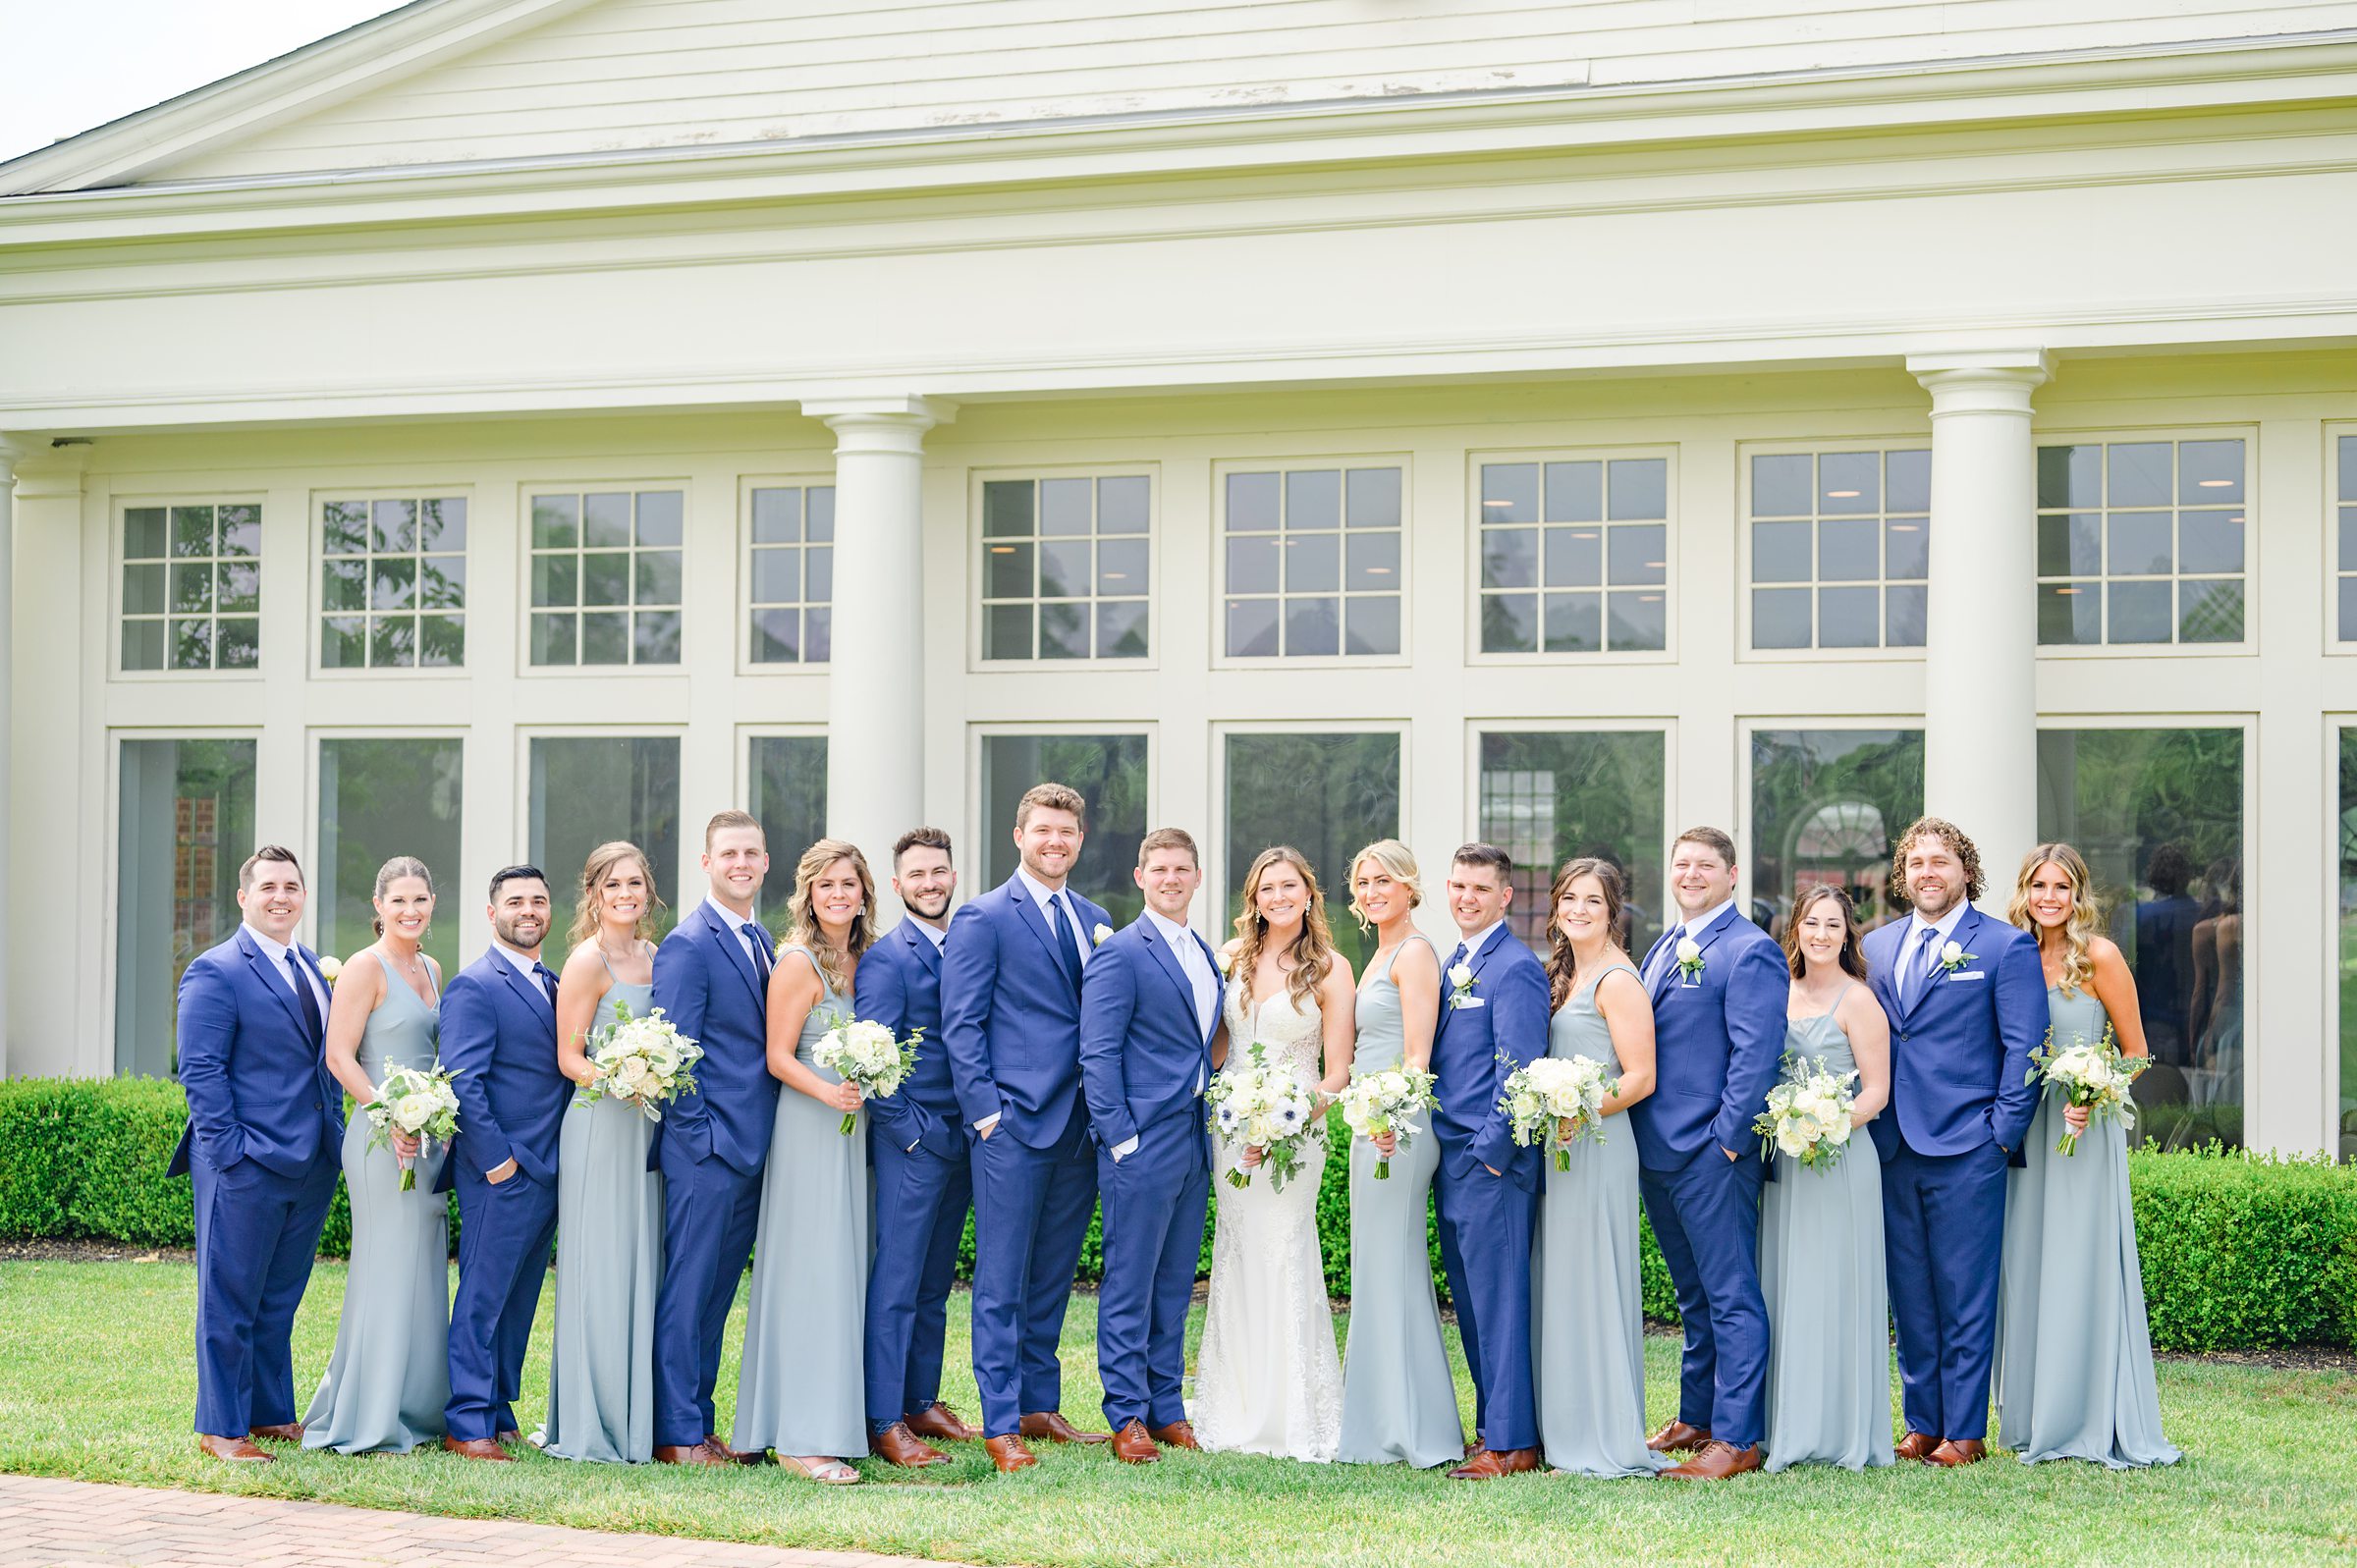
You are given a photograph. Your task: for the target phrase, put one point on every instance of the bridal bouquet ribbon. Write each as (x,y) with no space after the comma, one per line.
(1808,1115)
(1260,1104)
(646,1060)
(1558,1101)
(417,1103)
(864,1052)
(2095,1075)
(1383,1101)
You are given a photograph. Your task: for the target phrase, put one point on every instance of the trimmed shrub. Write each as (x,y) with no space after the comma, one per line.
(129,1126)
(2241,1252)
(37,1177)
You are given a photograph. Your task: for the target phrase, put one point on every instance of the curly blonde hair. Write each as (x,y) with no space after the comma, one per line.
(1947,832)
(600,865)
(1313,949)
(802,929)
(2086,920)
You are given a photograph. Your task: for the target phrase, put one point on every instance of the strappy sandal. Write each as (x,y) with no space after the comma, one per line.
(826,1471)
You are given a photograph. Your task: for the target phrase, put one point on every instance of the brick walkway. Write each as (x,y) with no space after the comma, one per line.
(51,1524)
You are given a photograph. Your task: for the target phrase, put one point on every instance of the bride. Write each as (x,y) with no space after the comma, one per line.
(1267,1379)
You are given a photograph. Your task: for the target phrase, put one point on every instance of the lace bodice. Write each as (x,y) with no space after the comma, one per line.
(1290,1035)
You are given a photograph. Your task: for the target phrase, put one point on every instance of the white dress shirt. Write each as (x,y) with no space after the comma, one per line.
(523,966)
(736,923)
(276,952)
(938,934)
(1911,984)
(1480,938)
(1694,927)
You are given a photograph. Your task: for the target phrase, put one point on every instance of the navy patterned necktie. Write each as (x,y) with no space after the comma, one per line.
(305,998)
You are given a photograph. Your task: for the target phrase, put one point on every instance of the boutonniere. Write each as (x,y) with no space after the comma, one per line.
(1689,958)
(1954,957)
(1098,935)
(1460,986)
(329,968)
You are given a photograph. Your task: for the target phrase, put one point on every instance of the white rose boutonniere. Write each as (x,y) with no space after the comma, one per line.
(1225,959)
(330,968)
(1954,957)
(1460,985)
(1098,935)
(1689,958)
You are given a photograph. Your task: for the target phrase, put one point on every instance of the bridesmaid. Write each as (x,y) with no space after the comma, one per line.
(1588,1310)
(2074,1377)
(609,1197)
(1398,1397)
(799,1388)
(1820,1230)
(389,1377)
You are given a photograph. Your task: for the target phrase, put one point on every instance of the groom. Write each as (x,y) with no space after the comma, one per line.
(1494,1020)
(1146,1022)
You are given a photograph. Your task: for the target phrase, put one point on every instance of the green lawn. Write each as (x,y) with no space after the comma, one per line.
(95,1383)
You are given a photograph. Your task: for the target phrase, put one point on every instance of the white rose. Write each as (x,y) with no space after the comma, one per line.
(1793,1137)
(1952,952)
(1098,935)
(1688,949)
(412,1111)
(1460,977)
(330,968)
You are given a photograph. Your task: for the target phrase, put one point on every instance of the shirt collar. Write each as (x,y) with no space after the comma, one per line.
(272,948)
(724,915)
(1480,940)
(523,966)
(1945,925)
(931,932)
(1040,893)
(1707,919)
(1180,938)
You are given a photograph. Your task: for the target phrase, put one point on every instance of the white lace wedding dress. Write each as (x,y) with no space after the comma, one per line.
(1267,1379)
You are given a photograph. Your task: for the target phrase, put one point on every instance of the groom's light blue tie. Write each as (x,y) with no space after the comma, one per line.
(1919,968)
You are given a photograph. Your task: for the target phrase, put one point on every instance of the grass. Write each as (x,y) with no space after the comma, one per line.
(97,1384)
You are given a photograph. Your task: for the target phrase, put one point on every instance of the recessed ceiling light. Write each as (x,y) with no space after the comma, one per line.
(1002,550)
(2218,484)
(1841,495)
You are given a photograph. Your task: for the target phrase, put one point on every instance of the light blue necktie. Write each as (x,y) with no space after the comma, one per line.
(1920,970)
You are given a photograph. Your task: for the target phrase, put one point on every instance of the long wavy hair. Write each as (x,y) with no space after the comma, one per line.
(802,929)
(1312,950)
(1562,965)
(2086,920)
(594,872)
(1853,959)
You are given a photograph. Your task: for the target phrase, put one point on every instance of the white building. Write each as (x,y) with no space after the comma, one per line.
(514,424)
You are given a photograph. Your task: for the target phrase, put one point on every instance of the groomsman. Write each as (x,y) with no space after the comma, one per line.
(712,982)
(916,1141)
(1010,1026)
(265,1138)
(1146,1022)
(1720,985)
(499,1041)
(1966,996)
(1494,1020)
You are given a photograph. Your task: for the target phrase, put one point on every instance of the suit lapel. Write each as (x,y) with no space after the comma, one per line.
(279,985)
(1036,918)
(1219,988)
(1171,965)
(927,955)
(528,988)
(1968,925)
(729,945)
(1884,978)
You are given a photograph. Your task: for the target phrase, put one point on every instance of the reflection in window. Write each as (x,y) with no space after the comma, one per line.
(1549,797)
(1313,562)
(789,574)
(587,789)
(1064,567)
(186,826)
(1329,796)
(606,577)
(1841,547)
(193,587)
(1826,806)
(789,798)
(2157,815)
(382,798)
(393,582)
(1109,770)
(1575,556)
(2141,542)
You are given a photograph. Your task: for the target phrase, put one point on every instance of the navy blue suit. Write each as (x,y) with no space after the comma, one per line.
(1143,1064)
(1960,1107)
(714,1145)
(499,1041)
(1011,1027)
(1486,1219)
(1719,1048)
(923,1182)
(265,1138)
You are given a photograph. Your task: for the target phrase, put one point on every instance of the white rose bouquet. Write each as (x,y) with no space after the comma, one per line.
(644,1061)
(1258,1103)
(1383,1101)
(864,1052)
(2095,1075)
(1808,1115)
(418,1103)
(1559,1100)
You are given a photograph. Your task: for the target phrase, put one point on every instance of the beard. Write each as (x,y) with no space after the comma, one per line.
(509,931)
(929,906)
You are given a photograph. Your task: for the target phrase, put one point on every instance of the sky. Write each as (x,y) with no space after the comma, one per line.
(69,64)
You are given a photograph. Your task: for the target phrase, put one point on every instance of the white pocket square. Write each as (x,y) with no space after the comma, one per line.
(1473,1001)
(1970,974)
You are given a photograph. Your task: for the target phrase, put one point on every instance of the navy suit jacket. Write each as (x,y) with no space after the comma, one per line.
(257,1083)
(1719,1043)
(712,993)
(499,1043)
(1011,1015)
(1141,1056)
(1960,1057)
(1512,1020)
(899,986)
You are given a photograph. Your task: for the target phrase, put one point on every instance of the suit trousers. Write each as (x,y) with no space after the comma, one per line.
(920,1206)
(1706,1217)
(1031,1208)
(257,1233)
(710,1213)
(1943,1233)
(1486,1227)
(1155,1200)
(504,1235)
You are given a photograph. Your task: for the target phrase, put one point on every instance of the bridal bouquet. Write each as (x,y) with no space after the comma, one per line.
(2095,1075)
(1259,1104)
(1381,1102)
(418,1103)
(864,1052)
(644,1061)
(1808,1115)
(1557,1100)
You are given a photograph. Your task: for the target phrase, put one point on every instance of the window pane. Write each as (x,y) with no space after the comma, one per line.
(1907,480)
(442,583)
(1373,562)
(2208,471)
(143,534)
(1509,492)
(1639,620)
(1848,550)
(392,584)
(1549,799)
(1510,557)
(777,636)
(1252,502)
(1109,771)
(586,791)
(1005,508)
(1065,572)
(2209,541)
(1903,608)
(1252,565)
(382,798)
(777,576)
(1575,492)
(191,531)
(2139,543)
(1313,562)
(1781,486)
(606,519)
(1574,557)
(238,588)
(1064,631)
(1313,627)
(2348,614)
(606,577)
(185,825)
(2139,611)
(1371,626)
(1327,795)
(2071,476)
(659,577)
(818,633)
(343,643)
(659,517)
(778,517)
(1252,628)
(556,522)
(441,641)
(1779,618)
(1848,617)
(553,638)
(1008,575)
(143,590)
(191,644)
(237,643)
(392,641)
(1373,498)
(442,523)
(1574,622)
(1640,488)
(556,580)
(606,638)
(1640,555)
(343,527)
(655,636)
(789,798)
(2345,947)
(2138,474)
(1121,567)
(1120,628)
(1064,505)
(1850,482)
(1006,632)
(1825,807)
(241,531)
(1779,552)
(2210,610)
(1908,548)
(2070,544)
(1509,622)
(393,525)
(1124,504)
(1313,499)
(2070,613)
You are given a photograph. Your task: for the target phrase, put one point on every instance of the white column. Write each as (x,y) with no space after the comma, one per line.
(1980,697)
(875,672)
(10,452)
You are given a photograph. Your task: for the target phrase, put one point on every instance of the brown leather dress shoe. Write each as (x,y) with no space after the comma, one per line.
(938,1423)
(1010,1453)
(279,1431)
(232,1451)
(1491,1463)
(1679,1438)
(477,1448)
(1716,1461)
(1051,1424)
(702,1453)
(1178,1434)
(1957,1451)
(1132,1445)
(895,1444)
(1915,1445)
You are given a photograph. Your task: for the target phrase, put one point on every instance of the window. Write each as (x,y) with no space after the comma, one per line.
(789,798)
(2158,814)
(384,797)
(192,586)
(392,584)
(1329,796)
(1575,556)
(1313,562)
(790,574)
(588,789)
(2345,467)
(1064,567)
(186,826)
(1841,547)
(606,570)
(1826,807)
(2141,542)
(1550,796)
(1109,770)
